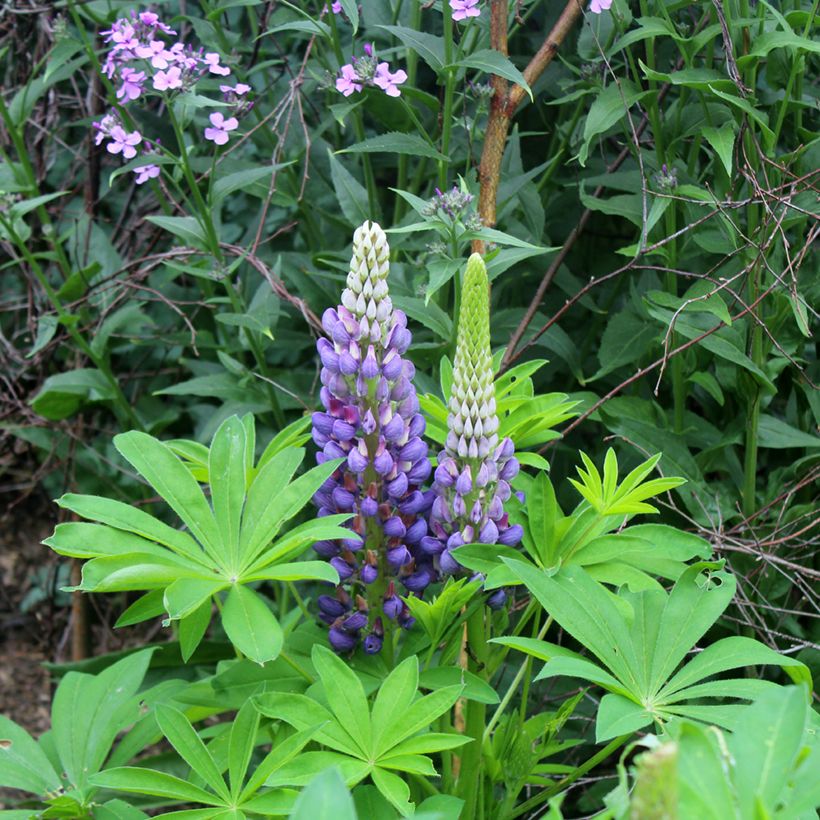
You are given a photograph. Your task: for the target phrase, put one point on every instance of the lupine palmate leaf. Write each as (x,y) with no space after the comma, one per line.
(640,643)
(229,543)
(591,536)
(393,736)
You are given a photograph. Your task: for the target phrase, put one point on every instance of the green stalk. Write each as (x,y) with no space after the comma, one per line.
(514,685)
(399,204)
(589,764)
(470,781)
(449,87)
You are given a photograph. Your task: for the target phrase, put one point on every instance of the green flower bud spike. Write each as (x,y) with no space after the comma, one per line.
(473,424)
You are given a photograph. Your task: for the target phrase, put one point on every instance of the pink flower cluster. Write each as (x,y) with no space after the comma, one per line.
(140,60)
(464,9)
(367,70)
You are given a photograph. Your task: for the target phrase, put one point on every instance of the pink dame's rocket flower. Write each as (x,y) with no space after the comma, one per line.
(131,86)
(389,81)
(146,172)
(221,127)
(348,82)
(212,61)
(239,90)
(122,142)
(597,6)
(168,80)
(462,9)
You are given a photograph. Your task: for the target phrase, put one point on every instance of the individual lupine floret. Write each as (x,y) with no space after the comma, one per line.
(472,480)
(372,420)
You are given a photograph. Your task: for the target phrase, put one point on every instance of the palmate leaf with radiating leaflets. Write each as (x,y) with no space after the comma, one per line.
(241,742)
(639,653)
(365,742)
(131,550)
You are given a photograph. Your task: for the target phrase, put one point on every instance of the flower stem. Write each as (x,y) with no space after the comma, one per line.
(470,783)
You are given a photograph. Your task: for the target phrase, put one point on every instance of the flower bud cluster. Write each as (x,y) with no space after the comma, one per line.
(472,480)
(371,420)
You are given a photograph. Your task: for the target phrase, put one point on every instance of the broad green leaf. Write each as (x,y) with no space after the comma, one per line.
(188,744)
(131,519)
(192,629)
(723,141)
(733,652)
(423,712)
(147,781)
(325,798)
(185,595)
(296,571)
(185,228)
(89,712)
(255,180)
(395,696)
(272,500)
(491,61)
(618,715)
(350,193)
(746,107)
(277,757)
(475,687)
(426,743)
(63,394)
(303,713)
(394,789)
(776,434)
(351,10)
(586,611)
(769,742)
(580,668)
(240,746)
(158,465)
(135,571)
(250,625)
(395,142)
(226,476)
(609,106)
(79,539)
(428,46)
(689,611)
(705,791)
(23,765)
(150,605)
(345,696)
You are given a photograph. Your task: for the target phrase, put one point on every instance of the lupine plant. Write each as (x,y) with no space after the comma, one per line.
(428,393)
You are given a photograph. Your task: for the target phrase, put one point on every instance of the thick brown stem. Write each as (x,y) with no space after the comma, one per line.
(506,100)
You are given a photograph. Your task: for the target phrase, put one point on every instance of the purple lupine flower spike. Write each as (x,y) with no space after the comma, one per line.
(371,420)
(472,479)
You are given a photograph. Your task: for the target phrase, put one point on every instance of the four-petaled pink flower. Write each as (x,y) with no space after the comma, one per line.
(336,7)
(221,127)
(387,80)
(462,9)
(240,89)
(146,172)
(597,6)
(168,80)
(212,61)
(122,142)
(131,86)
(349,81)
(156,52)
